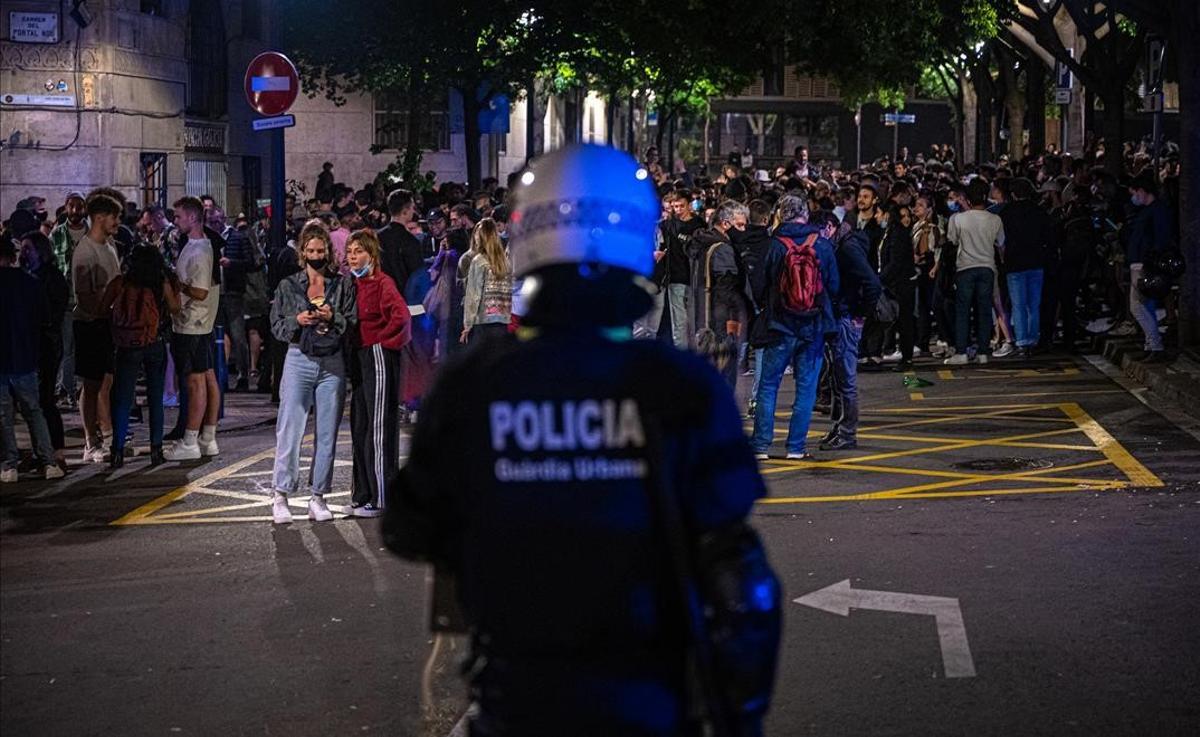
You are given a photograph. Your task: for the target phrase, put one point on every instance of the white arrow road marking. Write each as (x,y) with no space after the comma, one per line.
(952,633)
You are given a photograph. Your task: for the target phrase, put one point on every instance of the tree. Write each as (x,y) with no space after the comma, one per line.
(1179,22)
(479,48)
(1114,47)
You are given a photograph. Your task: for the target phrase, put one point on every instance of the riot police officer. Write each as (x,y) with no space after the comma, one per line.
(590,492)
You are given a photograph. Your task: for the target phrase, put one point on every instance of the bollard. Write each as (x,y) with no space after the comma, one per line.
(222,370)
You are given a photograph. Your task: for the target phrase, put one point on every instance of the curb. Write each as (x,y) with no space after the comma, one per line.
(1177,383)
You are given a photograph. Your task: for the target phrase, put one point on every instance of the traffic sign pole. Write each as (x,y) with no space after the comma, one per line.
(271,85)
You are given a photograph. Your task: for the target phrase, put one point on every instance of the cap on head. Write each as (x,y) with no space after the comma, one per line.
(584,204)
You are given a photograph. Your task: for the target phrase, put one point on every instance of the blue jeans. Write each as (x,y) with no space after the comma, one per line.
(1025,290)
(805,357)
(152,359)
(758,360)
(679,299)
(974,289)
(844,407)
(1144,310)
(308,381)
(24,389)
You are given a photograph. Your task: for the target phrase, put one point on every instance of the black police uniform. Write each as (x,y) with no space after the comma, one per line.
(529,478)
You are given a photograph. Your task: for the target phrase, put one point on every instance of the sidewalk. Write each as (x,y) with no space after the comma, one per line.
(1176,383)
(243,412)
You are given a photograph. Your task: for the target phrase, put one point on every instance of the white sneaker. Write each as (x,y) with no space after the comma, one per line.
(982,359)
(958,359)
(761,457)
(1007,349)
(9,476)
(318,510)
(179,451)
(799,456)
(209,447)
(280,509)
(893,357)
(93,454)
(916,352)
(54,472)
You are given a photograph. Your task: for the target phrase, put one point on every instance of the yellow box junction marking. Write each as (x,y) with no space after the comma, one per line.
(152,512)
(1069,416)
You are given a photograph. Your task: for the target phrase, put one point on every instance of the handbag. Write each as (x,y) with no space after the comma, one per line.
(718,349)
(887,309)
(437,299)
(316,344)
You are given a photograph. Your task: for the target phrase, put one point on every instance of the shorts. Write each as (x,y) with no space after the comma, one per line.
(192,353)
(93,349)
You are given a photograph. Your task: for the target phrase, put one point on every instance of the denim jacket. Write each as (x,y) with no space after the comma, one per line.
(291,298)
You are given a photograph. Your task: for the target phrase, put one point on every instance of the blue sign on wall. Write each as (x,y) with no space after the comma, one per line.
(494,117)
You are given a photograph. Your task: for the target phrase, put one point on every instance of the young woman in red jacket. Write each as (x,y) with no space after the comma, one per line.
(384,327)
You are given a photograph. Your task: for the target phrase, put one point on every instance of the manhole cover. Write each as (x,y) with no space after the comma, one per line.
(1004,463)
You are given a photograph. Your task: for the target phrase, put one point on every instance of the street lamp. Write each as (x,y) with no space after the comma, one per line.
(1049,6)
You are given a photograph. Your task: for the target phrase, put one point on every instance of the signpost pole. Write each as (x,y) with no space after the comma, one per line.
(858,137)
(278,172)
(896,137)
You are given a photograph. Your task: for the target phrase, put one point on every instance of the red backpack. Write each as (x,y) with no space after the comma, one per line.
(135,318)
(800,280)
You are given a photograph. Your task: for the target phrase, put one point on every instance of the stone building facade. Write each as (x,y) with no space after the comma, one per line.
(146,98)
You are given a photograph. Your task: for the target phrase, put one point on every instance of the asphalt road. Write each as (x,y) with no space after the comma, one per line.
(1021,545)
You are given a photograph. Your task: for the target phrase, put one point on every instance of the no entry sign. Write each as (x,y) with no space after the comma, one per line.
(271,83)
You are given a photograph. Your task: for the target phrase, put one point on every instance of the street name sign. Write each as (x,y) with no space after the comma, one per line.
(952,633)
(271,83)
(280,121)
(33,28)
(901,118)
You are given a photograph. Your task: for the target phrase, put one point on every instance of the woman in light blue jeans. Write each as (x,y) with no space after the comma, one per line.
(311,312)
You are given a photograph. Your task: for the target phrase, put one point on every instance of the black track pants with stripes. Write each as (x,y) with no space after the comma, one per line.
(375,424)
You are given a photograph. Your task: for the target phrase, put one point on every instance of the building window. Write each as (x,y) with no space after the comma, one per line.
(391,122)
(818,132)
(207,80)
(252,19)
(152,7)
(154,179)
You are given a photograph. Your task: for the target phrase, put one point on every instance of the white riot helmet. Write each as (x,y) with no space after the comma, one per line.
(584,204)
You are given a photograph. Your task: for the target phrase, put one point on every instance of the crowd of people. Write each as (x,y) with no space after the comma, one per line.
(807,269)
(823,272)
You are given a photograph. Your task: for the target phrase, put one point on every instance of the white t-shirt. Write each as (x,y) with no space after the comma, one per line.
(977,233)
(194,268)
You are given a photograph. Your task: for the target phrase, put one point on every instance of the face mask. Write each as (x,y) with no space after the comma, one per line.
(953,205)
(1135,200)
(360,273)
(317,264)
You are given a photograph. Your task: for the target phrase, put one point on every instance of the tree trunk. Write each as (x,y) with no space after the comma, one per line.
(474,148)
(1114,128)
(1035,105)
(1187,27)
(412,143)
(610,115)
(660,132)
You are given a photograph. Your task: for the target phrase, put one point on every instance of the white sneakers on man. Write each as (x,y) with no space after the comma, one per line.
(280,510)
(9,476)
(208,448)
(93,454)
(53,471)
(181,450)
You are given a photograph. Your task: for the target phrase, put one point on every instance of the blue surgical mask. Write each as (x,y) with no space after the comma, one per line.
(953,205)
(360,273)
